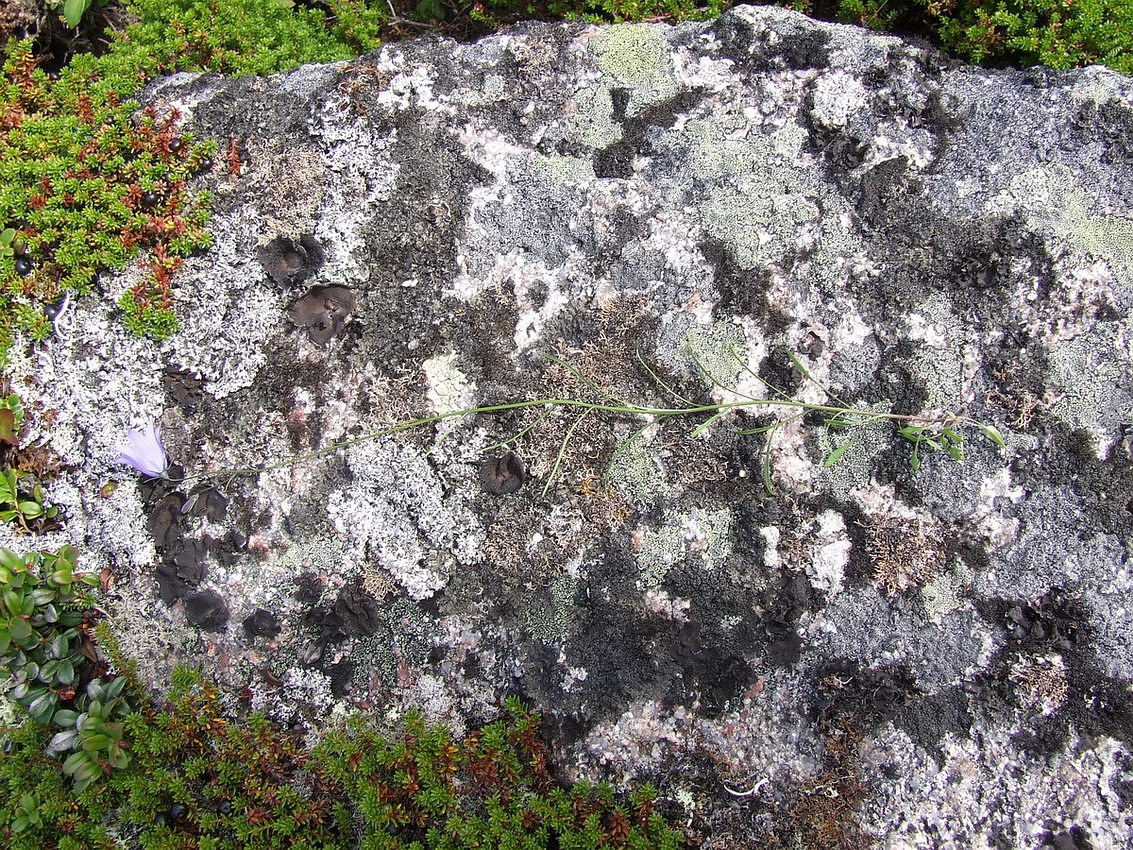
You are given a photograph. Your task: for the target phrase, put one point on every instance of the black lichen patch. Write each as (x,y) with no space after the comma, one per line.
(184,388)
(742,291)
(929,719)
(1074,838)
(208,502)
(864,697)
(354,613)
(1086,701)
(206,610)
(176,581)
(323,311)
(1103,487)
(164,520)
(1053,622)
(308,588)
(261,623)
(709,676)
(503,475)
(757,52)
(784,603)
(289,262)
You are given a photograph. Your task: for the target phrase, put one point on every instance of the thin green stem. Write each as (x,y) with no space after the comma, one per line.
(589,407)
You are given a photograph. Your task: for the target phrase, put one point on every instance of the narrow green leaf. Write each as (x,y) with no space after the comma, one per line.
(915,462)
(705,425)
(836,454)
(993,434)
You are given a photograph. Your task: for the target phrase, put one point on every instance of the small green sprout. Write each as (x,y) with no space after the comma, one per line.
(24,507)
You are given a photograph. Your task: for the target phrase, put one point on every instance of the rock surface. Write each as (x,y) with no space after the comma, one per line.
(932,657)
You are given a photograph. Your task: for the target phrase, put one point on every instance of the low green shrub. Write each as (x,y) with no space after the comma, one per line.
(198,777)
(42,606)
(1059,33)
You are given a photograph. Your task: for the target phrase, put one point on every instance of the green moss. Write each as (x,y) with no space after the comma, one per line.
(201,777)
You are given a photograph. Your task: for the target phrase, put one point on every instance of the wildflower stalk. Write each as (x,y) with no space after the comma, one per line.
(837,415)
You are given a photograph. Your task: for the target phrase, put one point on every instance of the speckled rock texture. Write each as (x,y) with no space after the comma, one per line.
(926,658)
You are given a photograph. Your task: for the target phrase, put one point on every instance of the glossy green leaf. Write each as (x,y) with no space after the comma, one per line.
(31,510)
(19,628)
(94,743)
(73,11)
(65,717)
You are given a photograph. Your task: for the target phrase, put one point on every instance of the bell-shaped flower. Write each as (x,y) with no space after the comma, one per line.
(144,451)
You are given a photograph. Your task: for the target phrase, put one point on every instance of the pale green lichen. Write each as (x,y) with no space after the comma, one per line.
(566,169)
(631,53)
(593,121)
(413,630)
(1107,238)
(854,468)
(635,472)
(636,56)
(714,541)
(706,535)
(1054,195)
(658,551)
(718,352)
(1092,374)
(550,624)
(316,554)
(448,387)
(9,712)
(944,593)
(939,363)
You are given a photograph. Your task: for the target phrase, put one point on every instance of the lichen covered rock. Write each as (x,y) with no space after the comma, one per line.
(755,208)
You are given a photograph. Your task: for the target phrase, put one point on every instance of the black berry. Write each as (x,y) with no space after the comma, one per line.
(150,199)
(23,265)
(175,145)
(178,811)
(225,808)
(162,819)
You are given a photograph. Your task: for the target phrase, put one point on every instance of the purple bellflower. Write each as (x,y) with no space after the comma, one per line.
(144,451)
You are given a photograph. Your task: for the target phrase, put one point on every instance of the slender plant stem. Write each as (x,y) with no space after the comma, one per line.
(590,408)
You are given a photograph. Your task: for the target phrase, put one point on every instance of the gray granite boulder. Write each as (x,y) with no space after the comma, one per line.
(690,215)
